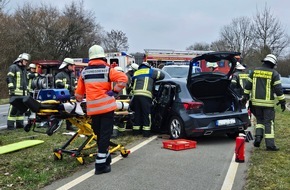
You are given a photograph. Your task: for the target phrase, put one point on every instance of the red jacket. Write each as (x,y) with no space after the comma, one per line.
(95,81)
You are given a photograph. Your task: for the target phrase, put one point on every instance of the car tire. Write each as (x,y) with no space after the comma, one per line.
(176,128)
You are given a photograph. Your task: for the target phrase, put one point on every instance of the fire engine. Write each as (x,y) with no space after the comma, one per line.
(156,57)
(47,69)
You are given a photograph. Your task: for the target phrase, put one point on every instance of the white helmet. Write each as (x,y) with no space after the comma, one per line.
(119,69)
(66,62)
(211,64)
(239,66)
(96,51)
(134,66)
(23,56)
(271,58)
(32,65)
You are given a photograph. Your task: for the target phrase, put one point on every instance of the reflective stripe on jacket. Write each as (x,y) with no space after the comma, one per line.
(30,77)
(95,81)
(17,80)
(65,79)
(262,83)
(238,82)
(144,79)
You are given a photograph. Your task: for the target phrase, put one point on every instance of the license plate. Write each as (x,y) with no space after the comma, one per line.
(225,122)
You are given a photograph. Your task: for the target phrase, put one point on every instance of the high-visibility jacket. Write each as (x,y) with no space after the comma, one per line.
(95,82)
(17,80)
(238,82)
(30,77)
(143,81)
(65,79)
(262,83)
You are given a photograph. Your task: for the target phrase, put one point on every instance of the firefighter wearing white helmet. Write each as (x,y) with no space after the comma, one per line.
(66,79)
(31,75)
(130,73)
(17,86)
(95,83)
(239,79)
(260,88)
(143,83)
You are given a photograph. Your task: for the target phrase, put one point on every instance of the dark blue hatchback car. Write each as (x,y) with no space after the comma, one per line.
(201,104)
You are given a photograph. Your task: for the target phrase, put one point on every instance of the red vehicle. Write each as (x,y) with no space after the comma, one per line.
(157,57)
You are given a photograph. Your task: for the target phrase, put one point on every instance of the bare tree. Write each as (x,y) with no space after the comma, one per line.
(238,36)
(269,33)
(48,33)
(115,41)
(219,45)
(202,46)
(3,3)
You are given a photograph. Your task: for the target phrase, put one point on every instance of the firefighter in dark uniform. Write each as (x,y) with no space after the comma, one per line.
(130,73)
(31,75)
(66,79)
(143,83)
(262,83)
(119,124)
(17,85)
(239,79)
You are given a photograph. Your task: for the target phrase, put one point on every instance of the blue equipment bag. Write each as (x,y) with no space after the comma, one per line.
(53,94)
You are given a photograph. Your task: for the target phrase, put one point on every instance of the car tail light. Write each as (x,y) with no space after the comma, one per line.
(192,105)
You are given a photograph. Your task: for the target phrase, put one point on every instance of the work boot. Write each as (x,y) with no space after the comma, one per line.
(146,134)
(10,128)
(257,141)
(102,168)
(272,148)
(136,132)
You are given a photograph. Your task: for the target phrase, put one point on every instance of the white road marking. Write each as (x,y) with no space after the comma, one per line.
(92,172)
(231,174)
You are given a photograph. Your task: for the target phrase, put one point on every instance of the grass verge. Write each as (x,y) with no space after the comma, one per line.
(270,170)
(35,167)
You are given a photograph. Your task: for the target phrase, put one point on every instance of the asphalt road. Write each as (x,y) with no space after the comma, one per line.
(209,166)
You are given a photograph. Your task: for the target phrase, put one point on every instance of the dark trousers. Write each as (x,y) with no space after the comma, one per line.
(14,116)
(141,106)
(265,123)
(102,125)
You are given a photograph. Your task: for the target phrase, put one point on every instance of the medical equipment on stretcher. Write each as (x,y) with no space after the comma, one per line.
(54,111)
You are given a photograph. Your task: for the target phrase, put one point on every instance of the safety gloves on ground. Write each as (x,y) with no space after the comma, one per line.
(282,104)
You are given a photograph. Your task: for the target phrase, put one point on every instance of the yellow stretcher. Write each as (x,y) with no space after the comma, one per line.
(53,112)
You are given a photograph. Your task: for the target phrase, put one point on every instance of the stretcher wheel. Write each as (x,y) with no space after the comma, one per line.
(57,156)
(81,160)
(27,127)
(125,153)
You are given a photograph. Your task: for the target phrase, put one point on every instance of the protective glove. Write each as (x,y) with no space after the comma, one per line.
(282,104)
(112,93)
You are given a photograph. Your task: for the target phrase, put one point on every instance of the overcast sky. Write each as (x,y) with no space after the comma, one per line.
(172,24)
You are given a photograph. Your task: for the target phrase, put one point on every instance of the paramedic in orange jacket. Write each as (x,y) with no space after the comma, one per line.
(96,83)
